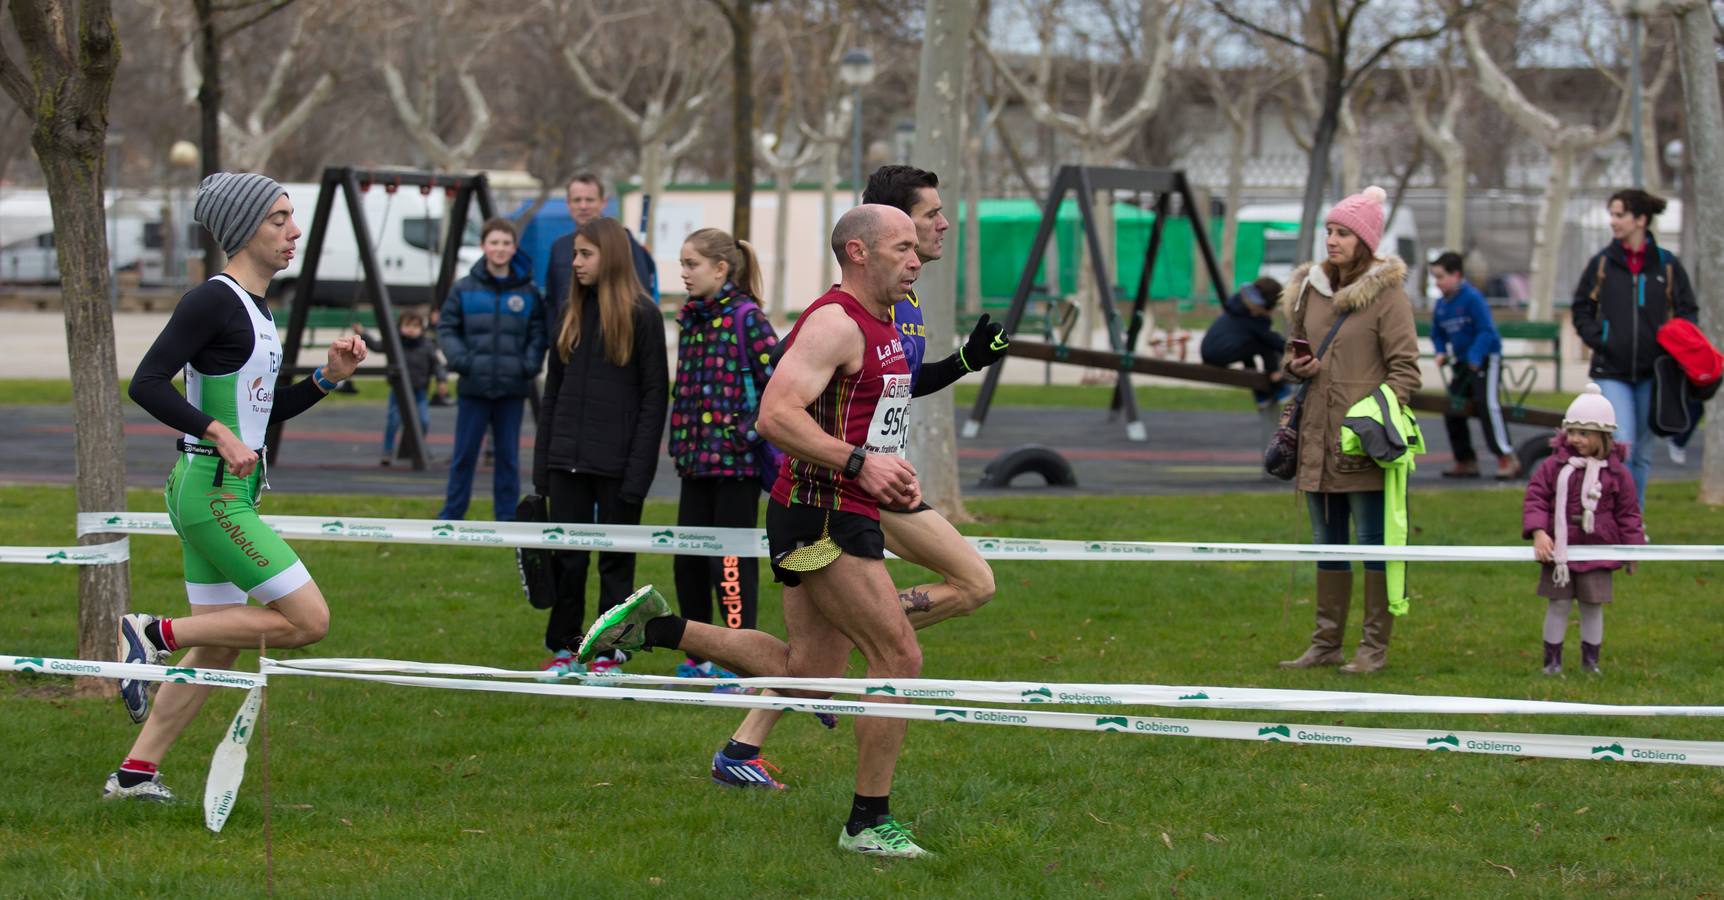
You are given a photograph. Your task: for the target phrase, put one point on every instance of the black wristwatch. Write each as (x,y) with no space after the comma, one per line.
(853,467)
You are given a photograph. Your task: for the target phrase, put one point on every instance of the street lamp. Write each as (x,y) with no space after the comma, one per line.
(176,263)
(905,140)
(856,69)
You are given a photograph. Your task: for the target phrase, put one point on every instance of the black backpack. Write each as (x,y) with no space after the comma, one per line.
(538,566)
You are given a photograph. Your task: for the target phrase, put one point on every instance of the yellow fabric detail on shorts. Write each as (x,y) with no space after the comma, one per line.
(813,557)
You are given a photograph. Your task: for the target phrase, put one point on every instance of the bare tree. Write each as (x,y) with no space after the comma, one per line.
(441,53)
(1564,142)
(1102,132)
(1439,134)
(216,23)
(739,15)
(1332,36)
(62,87)
(1237,92)
(248,143)
(1697,43)
(661,117)
(775,151)
(940,103)
(1649,147)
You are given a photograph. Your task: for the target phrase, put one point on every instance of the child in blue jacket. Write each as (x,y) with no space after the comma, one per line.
(1466,337)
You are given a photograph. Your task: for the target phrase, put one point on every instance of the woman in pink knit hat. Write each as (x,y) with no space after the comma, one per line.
(1583,493)
(1355,301)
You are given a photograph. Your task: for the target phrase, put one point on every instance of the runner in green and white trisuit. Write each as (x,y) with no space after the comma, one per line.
(222,336)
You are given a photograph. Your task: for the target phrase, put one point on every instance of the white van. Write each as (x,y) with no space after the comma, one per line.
(1281,245)
(406,234)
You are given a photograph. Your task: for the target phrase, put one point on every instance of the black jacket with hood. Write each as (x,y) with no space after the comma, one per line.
(1618,313)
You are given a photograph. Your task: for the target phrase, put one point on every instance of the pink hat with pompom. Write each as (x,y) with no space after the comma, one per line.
(1591,411)
(1361,214)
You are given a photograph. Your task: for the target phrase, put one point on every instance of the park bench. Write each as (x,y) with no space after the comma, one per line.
(1534,332)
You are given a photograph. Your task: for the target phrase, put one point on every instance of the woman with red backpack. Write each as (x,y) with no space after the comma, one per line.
(1630,290)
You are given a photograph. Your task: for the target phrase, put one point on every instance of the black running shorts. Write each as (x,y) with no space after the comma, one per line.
(808,538)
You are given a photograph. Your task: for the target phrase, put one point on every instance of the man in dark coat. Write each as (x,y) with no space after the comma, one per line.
(586,196)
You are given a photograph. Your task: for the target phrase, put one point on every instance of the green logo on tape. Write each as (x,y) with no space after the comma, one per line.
(182,676)
(1039,695)
(1608,751)
(1446,742)
(1113,723)
(950,715)
(335,527)
(1275,733)
(663,538)
(30,663)
(886,689)
(442,530)
(1197,696)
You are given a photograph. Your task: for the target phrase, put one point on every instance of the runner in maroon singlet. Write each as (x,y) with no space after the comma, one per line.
(836,404)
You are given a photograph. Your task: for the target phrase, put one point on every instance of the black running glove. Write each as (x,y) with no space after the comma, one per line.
(986,346)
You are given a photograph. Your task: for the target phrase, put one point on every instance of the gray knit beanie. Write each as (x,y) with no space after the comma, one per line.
(232,204)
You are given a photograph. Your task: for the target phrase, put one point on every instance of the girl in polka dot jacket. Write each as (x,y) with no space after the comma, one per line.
(723,360)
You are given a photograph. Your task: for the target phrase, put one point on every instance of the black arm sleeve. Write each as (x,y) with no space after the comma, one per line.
(200,317)
(294,400)
(937,376)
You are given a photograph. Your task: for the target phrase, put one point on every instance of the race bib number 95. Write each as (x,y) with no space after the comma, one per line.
(890,430)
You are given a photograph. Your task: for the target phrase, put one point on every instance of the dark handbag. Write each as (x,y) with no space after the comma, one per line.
(1669,415)
(1281,457)
(766,457)
(538,566)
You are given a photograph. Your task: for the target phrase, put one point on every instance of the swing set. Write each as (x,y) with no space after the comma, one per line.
(460,191)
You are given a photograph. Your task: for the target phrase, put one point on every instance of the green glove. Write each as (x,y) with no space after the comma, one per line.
(987,345)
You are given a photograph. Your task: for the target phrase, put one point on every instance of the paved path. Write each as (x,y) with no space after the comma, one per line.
(334,448)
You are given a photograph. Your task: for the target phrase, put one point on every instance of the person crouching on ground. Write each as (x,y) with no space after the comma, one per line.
(1245,333)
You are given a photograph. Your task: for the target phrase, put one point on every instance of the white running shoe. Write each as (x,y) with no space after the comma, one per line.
(136,647)
(152,790)
(1678,455)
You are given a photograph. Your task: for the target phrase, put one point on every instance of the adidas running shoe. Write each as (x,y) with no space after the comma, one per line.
(887,837)
(606,664)
(743,773)
(688,668)
(623,627)
(152,790)
(136,647)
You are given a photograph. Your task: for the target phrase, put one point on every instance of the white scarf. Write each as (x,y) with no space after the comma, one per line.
(1590,492)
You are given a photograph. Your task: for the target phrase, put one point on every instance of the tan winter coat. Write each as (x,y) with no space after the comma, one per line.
(1376,344)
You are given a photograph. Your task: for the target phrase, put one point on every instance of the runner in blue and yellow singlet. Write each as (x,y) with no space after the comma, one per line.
(222,336)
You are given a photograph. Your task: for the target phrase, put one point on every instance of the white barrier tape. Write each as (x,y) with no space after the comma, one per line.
(90,555)
(1553,746)
(48,665)
(1029,692)
(748,542)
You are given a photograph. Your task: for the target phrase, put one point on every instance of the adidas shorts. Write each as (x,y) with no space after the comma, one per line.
(807,539)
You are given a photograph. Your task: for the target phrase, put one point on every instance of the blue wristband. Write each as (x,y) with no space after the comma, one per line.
(322,382)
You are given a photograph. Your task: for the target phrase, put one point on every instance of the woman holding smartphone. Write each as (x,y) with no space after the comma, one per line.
(1355,301)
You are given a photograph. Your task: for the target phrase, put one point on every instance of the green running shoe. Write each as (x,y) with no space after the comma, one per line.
(888,837)
(623,627)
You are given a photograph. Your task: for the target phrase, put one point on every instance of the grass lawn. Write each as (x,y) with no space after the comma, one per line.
(381,791)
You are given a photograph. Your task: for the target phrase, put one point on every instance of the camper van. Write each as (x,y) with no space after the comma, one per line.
(27,251)
(1281,241)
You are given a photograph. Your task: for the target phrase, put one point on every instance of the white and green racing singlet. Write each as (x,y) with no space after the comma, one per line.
(241,399)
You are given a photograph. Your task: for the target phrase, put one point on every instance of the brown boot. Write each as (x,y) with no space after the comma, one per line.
(1379,622)
(1463,469)
(1334,595)
(1508,468)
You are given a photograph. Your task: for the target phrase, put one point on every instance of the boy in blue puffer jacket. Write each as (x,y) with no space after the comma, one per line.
(492,330)
(1464,333)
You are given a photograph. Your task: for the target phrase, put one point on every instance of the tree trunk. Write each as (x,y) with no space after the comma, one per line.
(940,98)
(1317,168)
(781,241)
(742,117)
(209,116)
(1241,140)
(1454,197)
(1547,234)
(828,207)
(652,183)
(1705,147)
(74,177)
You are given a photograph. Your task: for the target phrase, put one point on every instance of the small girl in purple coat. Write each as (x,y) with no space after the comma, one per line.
(1581,494)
